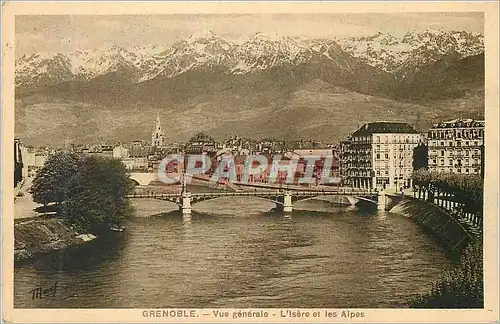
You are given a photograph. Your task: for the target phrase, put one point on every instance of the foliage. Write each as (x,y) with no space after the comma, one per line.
(51,181)
(96,194)
(420,157)
(422,178)
(460,287)
(467,188)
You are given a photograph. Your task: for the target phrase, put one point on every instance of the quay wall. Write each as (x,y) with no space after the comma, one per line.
(437,222)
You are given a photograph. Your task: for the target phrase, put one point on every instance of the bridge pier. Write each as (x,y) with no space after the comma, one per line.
(287,202)
(381,200)
(186,203)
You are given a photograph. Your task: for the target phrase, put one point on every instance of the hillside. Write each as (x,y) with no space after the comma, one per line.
(285,87)
(314,110)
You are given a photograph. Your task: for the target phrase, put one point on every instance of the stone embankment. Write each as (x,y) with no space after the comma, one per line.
(453,235)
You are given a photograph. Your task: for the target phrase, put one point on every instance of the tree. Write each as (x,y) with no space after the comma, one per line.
(420,157)
(51,181)
(96,195)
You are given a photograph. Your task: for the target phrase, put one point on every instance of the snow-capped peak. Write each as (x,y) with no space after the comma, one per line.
(393,54)
(205,49)
(202,34)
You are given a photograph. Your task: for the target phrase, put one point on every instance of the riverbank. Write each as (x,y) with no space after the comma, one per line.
(437,222)
(461,286)
(40,236)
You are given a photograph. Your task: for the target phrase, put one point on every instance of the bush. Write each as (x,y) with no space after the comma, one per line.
(460,287)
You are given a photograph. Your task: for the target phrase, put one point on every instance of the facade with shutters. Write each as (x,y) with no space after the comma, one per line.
(456,146)
(379,155)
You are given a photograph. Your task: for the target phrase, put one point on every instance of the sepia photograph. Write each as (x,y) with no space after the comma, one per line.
(269,166)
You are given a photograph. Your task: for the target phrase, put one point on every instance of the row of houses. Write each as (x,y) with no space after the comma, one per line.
(385,154)
(377,155)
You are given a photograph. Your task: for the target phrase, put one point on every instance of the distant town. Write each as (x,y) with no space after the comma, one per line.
(377,155)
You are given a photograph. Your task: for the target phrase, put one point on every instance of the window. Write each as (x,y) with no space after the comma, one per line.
(378,173)
(475,143)
(450,143)
(442,162)
(467,143)
(451,162)
(378,156)
(442,144)
(442,153)
(466,153)
(387,156)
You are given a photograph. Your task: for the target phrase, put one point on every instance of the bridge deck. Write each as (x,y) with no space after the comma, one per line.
(356,192)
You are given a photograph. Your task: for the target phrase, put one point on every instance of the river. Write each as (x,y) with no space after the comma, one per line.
(233,252)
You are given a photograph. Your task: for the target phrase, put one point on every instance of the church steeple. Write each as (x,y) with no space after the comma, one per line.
(158,124)
(158,136)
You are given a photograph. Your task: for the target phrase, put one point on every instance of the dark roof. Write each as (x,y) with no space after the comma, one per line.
(460,123)
(138,152)
(384,127)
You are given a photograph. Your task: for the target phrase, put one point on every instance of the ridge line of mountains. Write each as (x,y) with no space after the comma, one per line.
(286,87)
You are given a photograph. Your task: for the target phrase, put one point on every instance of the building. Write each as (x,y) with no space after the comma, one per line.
(120,152)
(18,162)
(158,136)
(323,155)
(379,155)
(35,158)
(456,146)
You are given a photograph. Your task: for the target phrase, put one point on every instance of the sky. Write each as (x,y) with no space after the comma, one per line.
(66,33)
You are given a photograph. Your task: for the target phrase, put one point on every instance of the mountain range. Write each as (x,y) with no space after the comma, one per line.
(263,86)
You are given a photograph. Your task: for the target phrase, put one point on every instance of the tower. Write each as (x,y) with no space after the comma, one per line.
(158,136)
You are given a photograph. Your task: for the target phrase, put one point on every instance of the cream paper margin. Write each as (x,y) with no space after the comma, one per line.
(490,10)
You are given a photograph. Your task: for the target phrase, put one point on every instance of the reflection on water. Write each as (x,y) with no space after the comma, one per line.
(230,253)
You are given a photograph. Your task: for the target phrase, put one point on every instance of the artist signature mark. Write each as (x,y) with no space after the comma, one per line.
(40,292)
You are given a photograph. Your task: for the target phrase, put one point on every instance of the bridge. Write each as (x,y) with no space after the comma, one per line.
(283,199)
(143,178)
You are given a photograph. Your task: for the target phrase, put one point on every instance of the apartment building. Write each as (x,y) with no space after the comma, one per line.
(379,155)
(456,146)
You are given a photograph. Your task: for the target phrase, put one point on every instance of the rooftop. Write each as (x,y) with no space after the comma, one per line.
(459,122)
(384,128)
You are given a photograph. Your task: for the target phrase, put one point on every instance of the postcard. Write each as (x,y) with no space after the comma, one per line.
(250,162)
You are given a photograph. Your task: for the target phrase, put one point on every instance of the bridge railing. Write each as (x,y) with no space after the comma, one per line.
(319,192)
